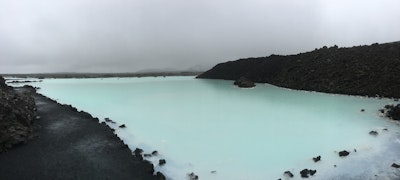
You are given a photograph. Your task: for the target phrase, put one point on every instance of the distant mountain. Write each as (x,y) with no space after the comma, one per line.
(163,70)
(359,70)
(195,68)
(198,68)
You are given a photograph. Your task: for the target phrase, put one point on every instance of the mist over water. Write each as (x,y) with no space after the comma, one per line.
(202,126)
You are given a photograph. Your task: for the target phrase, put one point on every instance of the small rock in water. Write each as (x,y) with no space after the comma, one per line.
(334,165)
(193,176)
(138,154)
(147,155)
(155,153)
(288,174)
(122,126)
(138,151)
(385,129)
(109,120)
(162,162)
(312,172)
(382,110)
(373,133)
(389,106)
(213,172)
(362,110)
(306,172)
(316,159)
(160,175)
(355,150)
(395,165)
(344,153)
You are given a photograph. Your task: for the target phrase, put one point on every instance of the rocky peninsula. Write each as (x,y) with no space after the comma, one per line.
(42,139)
(369,70)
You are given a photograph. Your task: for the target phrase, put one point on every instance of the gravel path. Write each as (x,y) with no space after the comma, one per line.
(67,144)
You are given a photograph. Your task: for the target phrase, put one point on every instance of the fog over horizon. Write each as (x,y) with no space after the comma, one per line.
(42,36)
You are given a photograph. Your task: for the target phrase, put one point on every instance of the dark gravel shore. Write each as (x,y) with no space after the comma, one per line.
(67,144)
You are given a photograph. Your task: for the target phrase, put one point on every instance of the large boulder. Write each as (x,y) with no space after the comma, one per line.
(244,83)
(305,173)
(343,153)
(393,112)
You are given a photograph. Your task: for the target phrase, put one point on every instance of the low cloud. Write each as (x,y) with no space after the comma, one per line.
(127,36)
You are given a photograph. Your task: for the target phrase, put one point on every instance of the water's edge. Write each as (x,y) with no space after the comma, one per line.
(328,174)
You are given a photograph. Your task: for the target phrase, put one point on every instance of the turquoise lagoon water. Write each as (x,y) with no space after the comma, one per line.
(219,131)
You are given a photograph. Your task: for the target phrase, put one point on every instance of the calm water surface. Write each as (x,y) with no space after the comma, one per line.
(202,126)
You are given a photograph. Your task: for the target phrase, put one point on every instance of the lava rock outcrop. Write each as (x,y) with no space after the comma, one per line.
(360,70)
(17,112)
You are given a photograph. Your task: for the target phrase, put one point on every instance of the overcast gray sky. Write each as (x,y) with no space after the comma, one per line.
(131,35)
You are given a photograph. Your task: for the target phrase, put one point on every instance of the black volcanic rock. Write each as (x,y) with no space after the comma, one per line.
(312,172)
(154,153)
(393,112)
(17,112)
(138,151)
(395,165)
(373,133)
(316,159)
(343,153)
(192,176)
(244,83)
(288,174)
(305,173)
(360,70)
(160,176)
(109,120)
(162,162)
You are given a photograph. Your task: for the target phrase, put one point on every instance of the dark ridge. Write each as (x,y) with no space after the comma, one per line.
(360,70)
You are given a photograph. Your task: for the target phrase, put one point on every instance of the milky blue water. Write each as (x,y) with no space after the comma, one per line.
(203,126)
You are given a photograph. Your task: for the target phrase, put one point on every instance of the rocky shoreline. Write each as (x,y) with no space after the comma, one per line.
(138,154)
(17,113)
(363,70)
(392,112)
(61,143)
(360,70)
